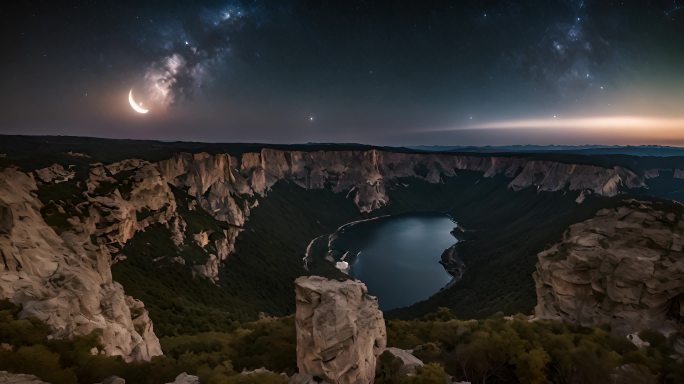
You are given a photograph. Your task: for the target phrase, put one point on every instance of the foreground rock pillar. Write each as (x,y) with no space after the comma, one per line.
(340,330)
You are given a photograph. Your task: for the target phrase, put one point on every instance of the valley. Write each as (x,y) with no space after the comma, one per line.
(207,242)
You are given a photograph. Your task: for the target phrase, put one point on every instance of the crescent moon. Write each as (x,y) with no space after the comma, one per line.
(136,107)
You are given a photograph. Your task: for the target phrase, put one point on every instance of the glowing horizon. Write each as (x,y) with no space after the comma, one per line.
(628,127)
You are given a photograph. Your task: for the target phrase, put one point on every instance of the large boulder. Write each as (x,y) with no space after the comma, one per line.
(407,363)
(340,330)
(18,378)
(624,267)
(184,378)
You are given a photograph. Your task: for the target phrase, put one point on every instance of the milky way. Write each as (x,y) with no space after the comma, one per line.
(191,51)
(381,72)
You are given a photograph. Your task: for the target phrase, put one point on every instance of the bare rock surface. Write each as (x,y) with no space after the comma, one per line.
(409,363)
(113,380)
(340,330)
(184,378)
(64,277)
(65,282)
(55,173)
(623,267)
(18,378)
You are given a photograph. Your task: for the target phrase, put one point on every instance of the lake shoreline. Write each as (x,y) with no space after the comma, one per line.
(405,248)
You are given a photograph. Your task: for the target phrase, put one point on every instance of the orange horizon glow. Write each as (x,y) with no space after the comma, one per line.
(648,128)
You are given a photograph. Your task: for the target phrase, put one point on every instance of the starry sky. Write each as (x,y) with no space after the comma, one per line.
(377,72)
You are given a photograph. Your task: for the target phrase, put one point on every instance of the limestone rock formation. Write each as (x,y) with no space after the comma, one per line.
(299,378)
(409,363)
(623,267)
(184,378)
(17,378)
(65,281)
(62,274)
(228,187)
(340,330)
(55,173)
(113,380)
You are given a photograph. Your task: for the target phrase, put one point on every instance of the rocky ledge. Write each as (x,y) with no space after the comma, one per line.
(57,251)
(340,330)
(66,280)
(624,267)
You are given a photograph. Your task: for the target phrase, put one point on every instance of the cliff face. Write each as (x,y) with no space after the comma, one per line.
(228,187)
(65,281)
(57,251)
(340,330)
(624,267)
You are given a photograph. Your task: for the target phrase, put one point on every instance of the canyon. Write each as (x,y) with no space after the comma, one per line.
(63,227)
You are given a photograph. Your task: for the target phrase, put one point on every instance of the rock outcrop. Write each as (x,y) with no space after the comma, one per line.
(65,281)
(229,187)
(61,274)
(340,330)
(408,364)
(184,378)
(55,173)
(623,267)
(18,378)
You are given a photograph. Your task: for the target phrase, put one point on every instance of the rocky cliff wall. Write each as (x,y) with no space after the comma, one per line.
(65,281)
(61,272)
(624,267)
(340,330)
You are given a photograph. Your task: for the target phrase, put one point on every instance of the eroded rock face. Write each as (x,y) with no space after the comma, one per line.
(623,267)
(228,187)
(66,281)
(55,173)
(408,363)
(184,378)
(17,378)
(340,330)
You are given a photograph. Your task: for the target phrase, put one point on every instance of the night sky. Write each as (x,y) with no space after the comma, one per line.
(376,72)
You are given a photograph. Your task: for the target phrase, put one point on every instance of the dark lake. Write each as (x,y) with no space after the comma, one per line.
(399,256)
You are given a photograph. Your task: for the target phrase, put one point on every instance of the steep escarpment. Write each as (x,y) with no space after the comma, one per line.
(186,213)
(623,267)
(229,187)
(340,330)
(65,281)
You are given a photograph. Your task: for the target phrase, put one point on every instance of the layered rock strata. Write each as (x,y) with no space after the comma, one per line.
(66,280)
(61,272)
(624,267)
(340,330)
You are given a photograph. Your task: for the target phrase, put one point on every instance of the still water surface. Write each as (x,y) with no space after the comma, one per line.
(400,260)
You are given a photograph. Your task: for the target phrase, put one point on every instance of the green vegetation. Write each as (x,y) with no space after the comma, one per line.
(257,278)
(179,302)
(387,372)
(198,220)
(504,231)
(60,201)
(499,350)
(495,350)
(216,358)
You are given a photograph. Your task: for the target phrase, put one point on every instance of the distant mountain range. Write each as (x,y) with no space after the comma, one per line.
(639,150)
